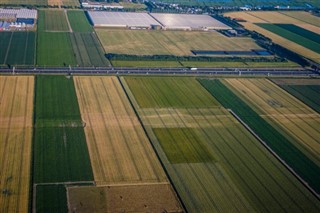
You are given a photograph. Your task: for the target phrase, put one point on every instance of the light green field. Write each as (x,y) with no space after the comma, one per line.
(169,92)
(118,63)
(79,21)
(145,42)
(242,175)
(52,21)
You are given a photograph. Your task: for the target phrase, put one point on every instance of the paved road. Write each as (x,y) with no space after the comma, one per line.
(163,71)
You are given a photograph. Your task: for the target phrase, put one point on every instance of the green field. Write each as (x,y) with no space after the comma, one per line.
(120,63)
(78,21)
(24,2)
(288,34)
(300,31)
(235,173)
(60,150)
(17,48)
(182,145)
(309,94)
(55,49)
(166,92)
(87,50)
(51,199)
(159,42)
(297,160)
(52,21)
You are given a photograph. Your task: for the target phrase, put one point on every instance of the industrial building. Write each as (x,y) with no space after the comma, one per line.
(17,18)
(122,19)
(188,22)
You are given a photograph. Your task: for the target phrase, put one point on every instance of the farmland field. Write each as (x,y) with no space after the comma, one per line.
(24,2)
(306,90)
(234,173)
(79,21)
(60,150)
(124,198)
(118,147)
(87,50)
(302,160)
(158,92)
(51,198)
(302,40)
(143,42)
(53,21)
(55,49)
(17,48)
(16,108)
(300,31)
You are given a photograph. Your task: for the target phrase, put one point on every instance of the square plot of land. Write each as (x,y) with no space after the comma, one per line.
(182,145)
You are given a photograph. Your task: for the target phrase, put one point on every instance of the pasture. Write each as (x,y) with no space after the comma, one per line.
(17,48)
(158,92)
(78,21)
(307,90)
(60,150)
(119,149)
(239,175)
(145,42)
(87,50)
(16,109)
(297,159)
(55,49)
(52,21)
(124,198)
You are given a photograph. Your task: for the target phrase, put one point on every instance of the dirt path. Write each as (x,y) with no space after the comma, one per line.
(70,29)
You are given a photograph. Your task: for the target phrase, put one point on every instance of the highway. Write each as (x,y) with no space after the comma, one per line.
(162,71)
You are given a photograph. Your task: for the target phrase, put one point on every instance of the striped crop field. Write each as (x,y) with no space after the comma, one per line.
(213,161)
(53,21)
(146,42)
(271,111)
(79,22)
(306,90)
(16,108)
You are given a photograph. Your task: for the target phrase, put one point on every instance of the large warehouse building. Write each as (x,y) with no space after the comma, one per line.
(155,20)
(189,22)
(17,18)
(122,19)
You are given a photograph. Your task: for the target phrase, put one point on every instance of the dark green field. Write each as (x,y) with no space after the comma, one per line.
(300,31)
(182,145)
(79,21)
(309,94)
(55,49)
(60,150)
(301,164)
(288,34)
(87,50)
(51,199)
(17,48)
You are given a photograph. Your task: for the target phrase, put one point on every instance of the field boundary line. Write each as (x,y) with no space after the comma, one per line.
(64,183)
(9,47)
(153,148)
(70,29)
(275,154)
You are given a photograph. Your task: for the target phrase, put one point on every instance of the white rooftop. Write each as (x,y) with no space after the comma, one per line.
(101,18)
(188,21)
(20,13)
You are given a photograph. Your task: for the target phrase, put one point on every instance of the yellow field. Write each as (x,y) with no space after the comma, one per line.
(119,149)
(145,42)
(304,17)
(283,42)
(16,107)
(294,117)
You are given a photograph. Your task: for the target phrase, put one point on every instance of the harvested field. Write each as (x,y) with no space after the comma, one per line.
(16,108)
(119,149)
(243,176)
(60,150)
(144,42)
(55,49)
(304,17)
(87,50)
(284,119)
(52,21)
(124,198)
(158,92)
(17,48)
(78,21)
